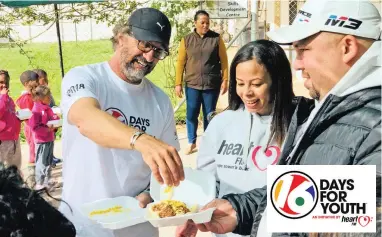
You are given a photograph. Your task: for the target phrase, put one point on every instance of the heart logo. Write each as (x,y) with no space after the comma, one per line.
(261,159)
(364,220)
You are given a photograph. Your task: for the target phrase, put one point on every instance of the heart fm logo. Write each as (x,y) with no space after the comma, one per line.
(262,159)
(364,220)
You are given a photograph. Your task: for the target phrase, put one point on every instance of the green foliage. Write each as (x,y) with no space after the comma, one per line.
(45,55)
(211,3)
(172,9)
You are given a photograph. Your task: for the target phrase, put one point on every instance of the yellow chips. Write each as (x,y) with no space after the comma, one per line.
(170,191)
(114,209)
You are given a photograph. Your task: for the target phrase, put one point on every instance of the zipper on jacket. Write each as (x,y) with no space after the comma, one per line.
(249,142)
(308,131)
(201,65)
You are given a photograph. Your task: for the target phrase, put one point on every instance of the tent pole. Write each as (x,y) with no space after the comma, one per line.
(59,40)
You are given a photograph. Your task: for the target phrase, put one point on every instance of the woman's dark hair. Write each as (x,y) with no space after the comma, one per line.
(25,213)
(273,58)
(7,78)
(201,12)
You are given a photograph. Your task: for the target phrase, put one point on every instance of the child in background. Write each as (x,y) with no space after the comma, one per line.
(43,135)
(43,80)
(10,152)
(29,79)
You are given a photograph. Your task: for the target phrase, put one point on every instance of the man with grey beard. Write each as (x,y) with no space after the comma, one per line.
(118,126)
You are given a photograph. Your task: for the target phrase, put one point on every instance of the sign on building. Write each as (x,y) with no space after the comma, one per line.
(227,9)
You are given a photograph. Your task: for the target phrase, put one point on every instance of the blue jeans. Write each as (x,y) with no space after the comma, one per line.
(196,98)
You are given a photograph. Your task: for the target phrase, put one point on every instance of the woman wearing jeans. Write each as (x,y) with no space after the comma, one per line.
(203,64)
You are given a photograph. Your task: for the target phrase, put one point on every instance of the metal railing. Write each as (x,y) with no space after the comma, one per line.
(228,46)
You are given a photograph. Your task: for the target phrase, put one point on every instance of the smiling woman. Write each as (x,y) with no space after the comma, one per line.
(241,142)
(260,80)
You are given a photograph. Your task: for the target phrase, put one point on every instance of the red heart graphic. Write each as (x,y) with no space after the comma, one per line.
(364,220)
(268,153)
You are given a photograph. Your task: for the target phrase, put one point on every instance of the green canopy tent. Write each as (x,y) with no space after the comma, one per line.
(27,3)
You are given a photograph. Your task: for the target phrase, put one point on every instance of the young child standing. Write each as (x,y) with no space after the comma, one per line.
(29,79)
(10,152)
(43,80)
(43,135)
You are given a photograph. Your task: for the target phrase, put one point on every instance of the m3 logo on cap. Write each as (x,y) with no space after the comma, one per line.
(343,21)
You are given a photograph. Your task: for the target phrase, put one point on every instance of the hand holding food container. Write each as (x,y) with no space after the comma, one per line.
(55,123)
(57,110)
(224,219)
(187,199)
(24,114)
(172,206)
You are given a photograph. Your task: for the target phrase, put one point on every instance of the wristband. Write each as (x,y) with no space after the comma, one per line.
(134,138)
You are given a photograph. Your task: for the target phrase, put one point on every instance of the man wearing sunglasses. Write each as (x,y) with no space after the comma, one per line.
(118,126)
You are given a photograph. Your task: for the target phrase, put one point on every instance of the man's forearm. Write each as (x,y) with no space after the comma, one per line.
(101,128)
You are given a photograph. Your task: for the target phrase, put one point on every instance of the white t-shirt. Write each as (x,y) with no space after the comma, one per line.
(92,172)
(223,152)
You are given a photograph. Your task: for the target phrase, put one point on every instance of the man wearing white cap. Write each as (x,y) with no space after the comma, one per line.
(339,53)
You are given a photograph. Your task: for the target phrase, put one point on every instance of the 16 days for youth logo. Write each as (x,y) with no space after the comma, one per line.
(118,114)
(294,194)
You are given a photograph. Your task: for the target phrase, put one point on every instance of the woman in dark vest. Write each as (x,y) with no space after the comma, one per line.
(203,66)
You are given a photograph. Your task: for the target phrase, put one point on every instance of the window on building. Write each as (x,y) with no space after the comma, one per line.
(293,4)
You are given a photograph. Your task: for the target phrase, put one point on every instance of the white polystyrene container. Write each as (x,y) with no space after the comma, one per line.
(132,213)
(57,110)
(56,123)
(24,114)
(198,189)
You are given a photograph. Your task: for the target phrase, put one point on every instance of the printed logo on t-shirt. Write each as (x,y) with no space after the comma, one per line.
(139,123)
(74,89)
(118,114)
(133,121)
(261,157)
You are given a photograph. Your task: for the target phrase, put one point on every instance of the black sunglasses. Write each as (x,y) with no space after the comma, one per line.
(146,47)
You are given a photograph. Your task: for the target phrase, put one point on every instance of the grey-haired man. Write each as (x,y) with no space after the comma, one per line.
(118,126)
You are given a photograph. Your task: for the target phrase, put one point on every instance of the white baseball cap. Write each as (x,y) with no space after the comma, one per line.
(350,17)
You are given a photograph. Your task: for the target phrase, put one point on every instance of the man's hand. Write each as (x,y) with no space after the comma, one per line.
(163,160)
(189,229)
(224,87)
(3,91)
(179,91)
(144,199)
(223,219)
